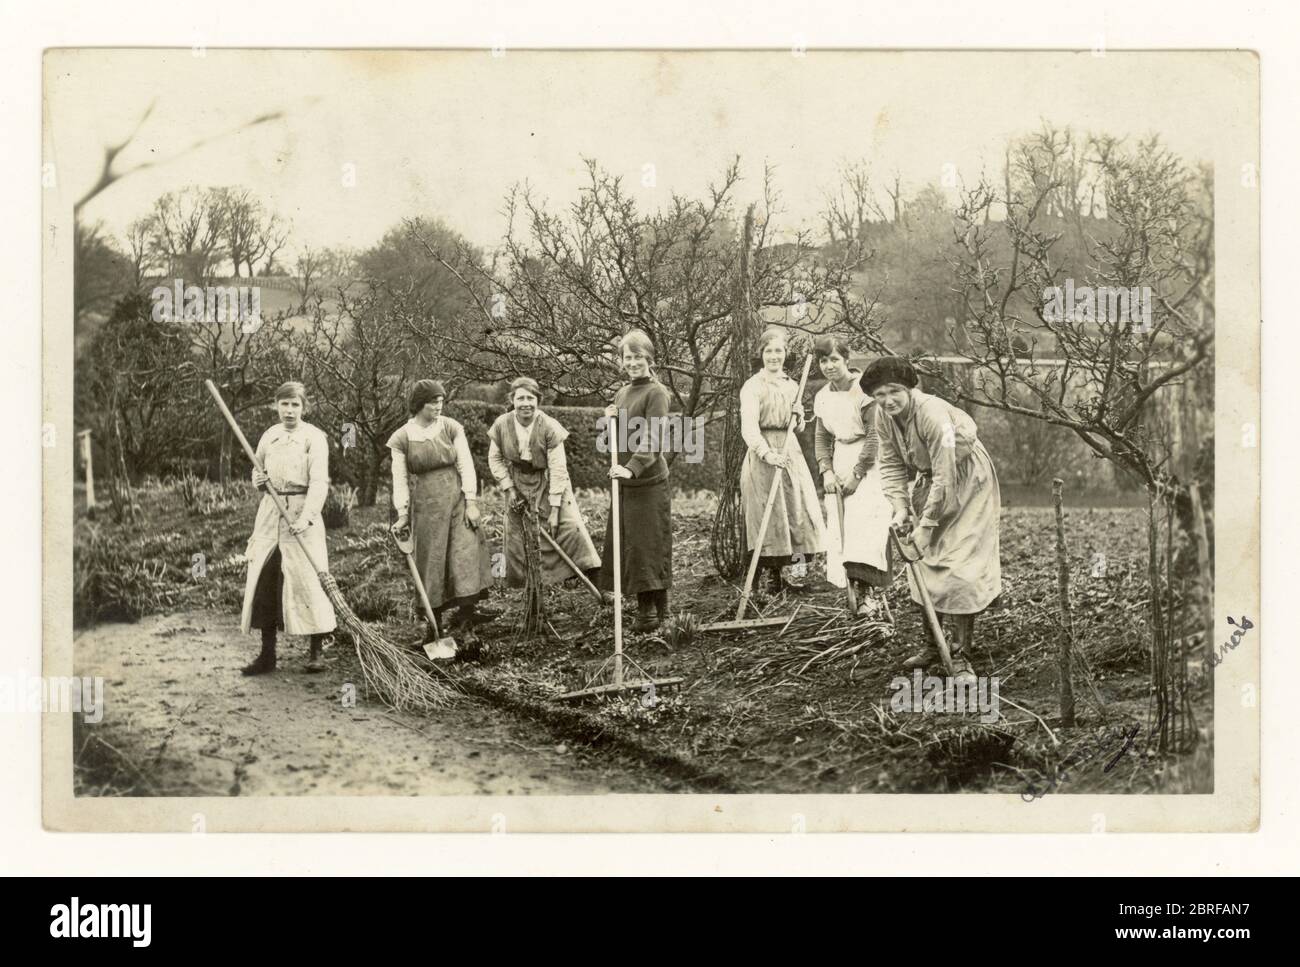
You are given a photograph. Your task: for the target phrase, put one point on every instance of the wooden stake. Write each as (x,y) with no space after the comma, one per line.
(1067,627)
(616,544)
(1203,565)
(88,461)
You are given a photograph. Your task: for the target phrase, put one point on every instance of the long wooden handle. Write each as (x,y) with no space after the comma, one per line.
(777,478)
(848,581)
(252,456)
(926,603)
(617,552)
(555,546)
(424,596)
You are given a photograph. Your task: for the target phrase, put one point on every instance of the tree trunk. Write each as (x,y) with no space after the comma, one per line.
(370,484)
(223,460)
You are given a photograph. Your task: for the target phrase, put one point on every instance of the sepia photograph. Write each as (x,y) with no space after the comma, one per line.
(651,440)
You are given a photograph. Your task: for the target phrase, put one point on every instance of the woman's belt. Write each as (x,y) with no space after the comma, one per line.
(291,491)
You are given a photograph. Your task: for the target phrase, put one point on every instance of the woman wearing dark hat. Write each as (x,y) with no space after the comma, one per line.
(435,493)
(526,456)
(953,506)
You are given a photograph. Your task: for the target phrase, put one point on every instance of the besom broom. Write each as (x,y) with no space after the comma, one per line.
(392,673)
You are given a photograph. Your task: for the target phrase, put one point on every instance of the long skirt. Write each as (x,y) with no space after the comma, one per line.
(866,526)
(646,540)
(795,527)
(962,567)
(571,534)
(452,557)
(303,607)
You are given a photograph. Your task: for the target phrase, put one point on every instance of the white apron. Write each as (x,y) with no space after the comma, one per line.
(866,513)
(294,461)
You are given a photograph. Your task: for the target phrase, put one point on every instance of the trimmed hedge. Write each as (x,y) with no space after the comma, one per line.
(588,467)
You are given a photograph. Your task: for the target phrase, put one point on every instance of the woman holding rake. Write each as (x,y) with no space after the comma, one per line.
(645,505)
(527,459)
(795,531)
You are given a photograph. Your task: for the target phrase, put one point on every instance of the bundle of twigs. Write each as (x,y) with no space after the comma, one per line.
(534,595)
(728,536)
(816,638)
(389,671)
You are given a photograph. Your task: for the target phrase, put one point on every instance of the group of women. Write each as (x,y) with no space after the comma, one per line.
(887,453)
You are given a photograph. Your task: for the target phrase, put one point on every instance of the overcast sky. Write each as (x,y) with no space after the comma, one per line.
(447,133)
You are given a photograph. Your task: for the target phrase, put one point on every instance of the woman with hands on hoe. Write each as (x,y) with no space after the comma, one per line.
(435,494)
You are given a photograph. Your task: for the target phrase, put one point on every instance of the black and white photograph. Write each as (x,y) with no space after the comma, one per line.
(651,440)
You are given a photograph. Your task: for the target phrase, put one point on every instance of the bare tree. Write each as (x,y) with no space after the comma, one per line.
(564,288)
(356,357)
(1157,238)
(139,249)
(190,232)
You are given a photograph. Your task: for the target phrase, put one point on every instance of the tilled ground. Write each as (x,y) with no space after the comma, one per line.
(805,708)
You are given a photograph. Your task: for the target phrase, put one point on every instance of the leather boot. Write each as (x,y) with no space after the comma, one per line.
(961,629)
(264,662)
(647,616)
(929,656)
(316,662)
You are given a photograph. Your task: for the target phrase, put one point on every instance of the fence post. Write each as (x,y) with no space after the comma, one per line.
(1067,627)
(87,462)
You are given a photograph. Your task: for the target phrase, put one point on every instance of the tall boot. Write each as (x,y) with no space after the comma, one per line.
(647,615)
(929,655)
(316,663)
(772,583)
(661,604)
(961,631)
(264,662)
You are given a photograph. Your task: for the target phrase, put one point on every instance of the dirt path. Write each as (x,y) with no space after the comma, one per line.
(178,709)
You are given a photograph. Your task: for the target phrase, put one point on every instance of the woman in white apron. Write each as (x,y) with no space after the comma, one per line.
(845,445)
(282,590)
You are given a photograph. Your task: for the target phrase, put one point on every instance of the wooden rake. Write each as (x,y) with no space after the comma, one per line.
(610,677)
